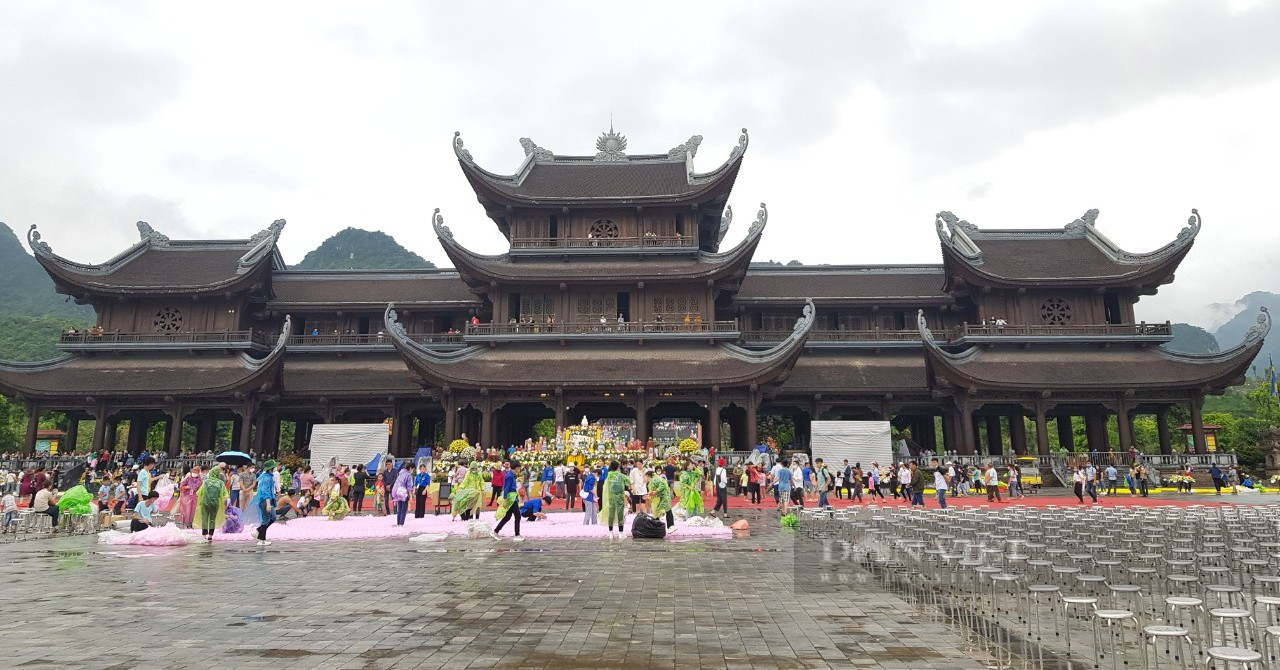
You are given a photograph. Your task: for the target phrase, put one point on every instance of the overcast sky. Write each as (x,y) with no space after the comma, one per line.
(865,119)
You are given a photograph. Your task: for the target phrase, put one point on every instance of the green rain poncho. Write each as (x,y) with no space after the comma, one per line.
(76,501)
(690,492)
(659,495)
(470,492)
(211,500)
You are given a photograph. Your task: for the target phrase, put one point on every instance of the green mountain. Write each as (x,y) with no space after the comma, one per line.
(362,250)
(1232,332)
(1191,339)
(32,314)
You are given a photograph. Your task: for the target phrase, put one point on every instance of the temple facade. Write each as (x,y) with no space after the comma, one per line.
(616,299)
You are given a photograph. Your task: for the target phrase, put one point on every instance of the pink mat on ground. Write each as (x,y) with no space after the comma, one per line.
(556,525)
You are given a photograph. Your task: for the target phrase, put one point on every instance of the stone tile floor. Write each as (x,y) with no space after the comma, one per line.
(753,602)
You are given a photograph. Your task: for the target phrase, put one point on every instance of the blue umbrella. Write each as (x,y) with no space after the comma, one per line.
(234,458)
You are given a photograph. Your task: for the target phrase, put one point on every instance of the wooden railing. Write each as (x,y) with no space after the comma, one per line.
(607,328)
(213,337)
(603,242)
(1103,330)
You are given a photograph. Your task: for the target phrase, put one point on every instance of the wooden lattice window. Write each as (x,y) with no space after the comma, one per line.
(167,320)
(1055,312)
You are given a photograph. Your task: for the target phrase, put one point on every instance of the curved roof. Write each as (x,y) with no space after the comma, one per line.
(1111,369)
(479,270)
(369,288)
(609,177)
(1075,254)
(157,264)
(160,374)
(654,365)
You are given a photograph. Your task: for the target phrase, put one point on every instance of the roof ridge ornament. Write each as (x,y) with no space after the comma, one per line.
(956,233)
(1086,221)
(806,316)
(726,220)
(271,232)
(610,146)
(1260,328)
(442,231)
(37,245)
(923,325)
(461,153)
(741,147)
(687,150)
(532,149)
(762,217)
(151,236)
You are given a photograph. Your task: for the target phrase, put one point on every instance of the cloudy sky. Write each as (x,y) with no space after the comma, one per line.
(865,119)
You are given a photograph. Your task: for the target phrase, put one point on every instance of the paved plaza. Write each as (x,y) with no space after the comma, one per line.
(750,602)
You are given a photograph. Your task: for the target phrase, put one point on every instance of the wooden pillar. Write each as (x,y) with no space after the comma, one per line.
(1162,427)
(173,445)
(137,439)
(397,432)
(33,426)
(450,418)
(1095,431)
(995,441)
(642,416)
(72,430)
(100,429)
(1066,434)
(713,420)
(486,422)
(243,428)
(559,409)
(1124,424)
(1197,424)
(113,434)
(966,430)
(753,432)
(1018,433)
(1042,431)
(206,433)
(949,442)
(299,437)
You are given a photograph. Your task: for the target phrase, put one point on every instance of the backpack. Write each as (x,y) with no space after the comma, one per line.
(616,484)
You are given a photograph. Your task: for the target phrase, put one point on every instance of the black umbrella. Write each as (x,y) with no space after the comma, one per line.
(234,458)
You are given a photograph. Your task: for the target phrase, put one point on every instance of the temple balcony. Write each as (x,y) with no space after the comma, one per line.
(367,342)
(573,246)
(1153,333)
(611,330)
(95,339)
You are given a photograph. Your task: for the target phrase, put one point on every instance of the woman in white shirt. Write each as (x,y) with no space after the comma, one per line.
(1077,483)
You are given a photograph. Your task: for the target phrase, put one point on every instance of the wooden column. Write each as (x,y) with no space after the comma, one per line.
(1162,427)
(112,436)
(100,429)
(1124,424)
(33,426)
(397,432)
(206,433)
(1042,431)
(299,437)
(450,418)
(72,430)
(559,409)
(243,429)
(1197,424)
(753,432)
(486,422)
(966,430)
(995,441)
(642,416)
(1066,434)
(1018,433)
(713,420)
(137,440)
(173,445)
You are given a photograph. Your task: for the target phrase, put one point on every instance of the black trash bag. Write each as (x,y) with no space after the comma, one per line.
(646,527)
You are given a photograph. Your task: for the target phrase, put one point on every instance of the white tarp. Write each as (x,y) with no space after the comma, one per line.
(859,441)
(350,443)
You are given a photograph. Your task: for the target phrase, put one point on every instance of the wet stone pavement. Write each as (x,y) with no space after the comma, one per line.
(761,601)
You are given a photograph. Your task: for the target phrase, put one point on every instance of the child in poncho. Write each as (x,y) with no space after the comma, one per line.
(690,490)
(336,507)
(211,500)
(468,498)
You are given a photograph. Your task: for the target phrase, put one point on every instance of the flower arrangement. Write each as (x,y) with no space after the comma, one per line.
(688,446)
(1275,479)
(1180,479)
(467,454)
(789,521)
(456,446)
(671,452)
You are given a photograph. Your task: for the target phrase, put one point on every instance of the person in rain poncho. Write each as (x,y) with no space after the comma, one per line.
(211,501)
(75,501)
(401,491)
(261,510)
(187,489)
(166,488)
(468,498)
(336,507)
(690,490)
(616,486)
(660,497)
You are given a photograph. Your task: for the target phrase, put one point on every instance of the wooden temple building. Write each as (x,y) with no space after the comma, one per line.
(616,299)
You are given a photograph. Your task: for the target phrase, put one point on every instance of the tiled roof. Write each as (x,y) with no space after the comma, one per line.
(1054,257)
(310,374)
(371,288)
(573,181)
(850,372)
(839,283)
(177,374)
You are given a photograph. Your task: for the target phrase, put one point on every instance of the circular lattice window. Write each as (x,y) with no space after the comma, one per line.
(604,229)
(1055,312)
(167,320)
